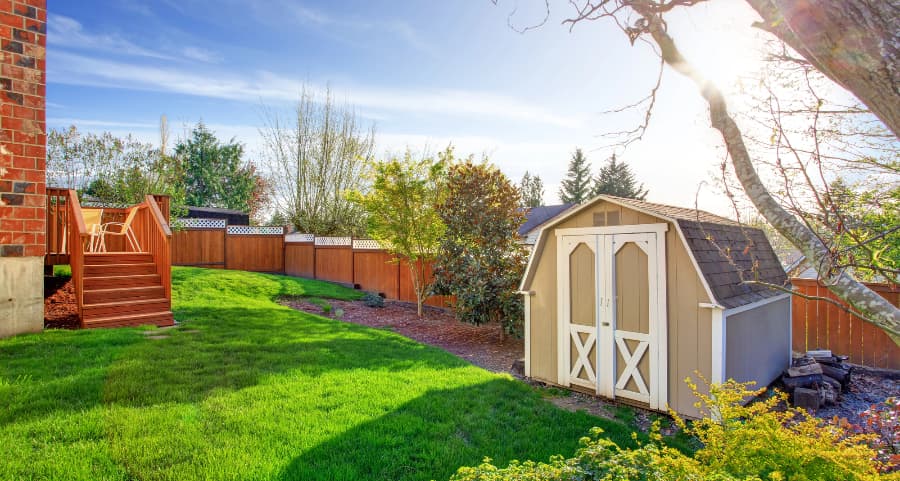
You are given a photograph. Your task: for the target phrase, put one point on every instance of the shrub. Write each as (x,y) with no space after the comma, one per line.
(882,422)
(373,300)
(755,442)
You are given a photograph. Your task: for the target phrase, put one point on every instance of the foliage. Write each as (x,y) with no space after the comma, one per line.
(532,189)
(314,159)
(882,423)
(372,299)
(752,442)
(401,212)
(481,260)
(576,188)
(249,389)
(616,178)
(215,174)
(114,170)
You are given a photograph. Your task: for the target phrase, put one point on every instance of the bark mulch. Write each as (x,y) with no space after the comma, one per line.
(60,307)
(479,345)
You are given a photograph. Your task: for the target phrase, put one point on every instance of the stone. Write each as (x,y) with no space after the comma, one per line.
(518,367)
(808,399)
(806,370)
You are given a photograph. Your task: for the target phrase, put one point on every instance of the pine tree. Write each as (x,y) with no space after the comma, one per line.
(532,188)
(615,178)
(575,188)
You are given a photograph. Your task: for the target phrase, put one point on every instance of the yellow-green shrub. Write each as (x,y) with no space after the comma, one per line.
(754,442)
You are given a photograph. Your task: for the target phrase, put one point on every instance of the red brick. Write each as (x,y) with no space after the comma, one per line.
(35,250)
(34,151)
(26,213)
(6,237)
(12,71)
(40,189)
(11,123)
(6,186)
(5,31)
(14,149)
(13,174)
(6,109)
(34,225)
(11,225)
(42,15)
(21,162)
(6,6)
(40,115)
(32,100)
(11,20)
(40,162)
(35,176)
(23,112)
(35,201)
(24,138)
(35,3)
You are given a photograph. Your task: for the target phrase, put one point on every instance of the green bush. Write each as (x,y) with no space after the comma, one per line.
(755,442)
(373,300)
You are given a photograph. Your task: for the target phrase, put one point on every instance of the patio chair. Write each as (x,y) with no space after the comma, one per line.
(121,229)
(93,220)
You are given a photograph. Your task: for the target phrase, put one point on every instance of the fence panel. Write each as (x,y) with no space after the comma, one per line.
(373,270)
(300,259)
(334,263)
(821,325)
(199,247)
(257,249)
(408,294)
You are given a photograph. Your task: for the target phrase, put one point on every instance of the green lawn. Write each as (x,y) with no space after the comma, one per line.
(260,391)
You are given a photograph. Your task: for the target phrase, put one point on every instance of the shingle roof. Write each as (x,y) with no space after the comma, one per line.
(536,216)
(728,253)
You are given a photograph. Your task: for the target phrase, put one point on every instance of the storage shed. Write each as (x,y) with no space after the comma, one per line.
(625,299)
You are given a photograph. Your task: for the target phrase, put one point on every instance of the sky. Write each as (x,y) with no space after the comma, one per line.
(426,74)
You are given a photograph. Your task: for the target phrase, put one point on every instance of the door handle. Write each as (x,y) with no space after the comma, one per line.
(605,324)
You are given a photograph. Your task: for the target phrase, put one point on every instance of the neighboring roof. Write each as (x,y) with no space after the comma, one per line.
(707,237)
(234,217)
(535,216)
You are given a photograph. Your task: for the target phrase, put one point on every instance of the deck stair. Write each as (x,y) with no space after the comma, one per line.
(124,289)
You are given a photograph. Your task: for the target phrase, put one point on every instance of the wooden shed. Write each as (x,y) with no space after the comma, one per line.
(625,299)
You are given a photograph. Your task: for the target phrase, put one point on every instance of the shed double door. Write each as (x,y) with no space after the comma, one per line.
(610,317)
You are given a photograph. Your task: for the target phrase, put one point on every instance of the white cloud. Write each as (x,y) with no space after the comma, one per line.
(67,32)
(201,54)
(76,69)
(58,121)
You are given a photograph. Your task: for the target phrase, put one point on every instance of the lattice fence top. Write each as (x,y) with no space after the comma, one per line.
(254,230)
(334,241)
(299,237)
(367,244)
(192,223)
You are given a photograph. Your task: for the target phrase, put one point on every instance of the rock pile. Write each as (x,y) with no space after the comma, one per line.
(816,379)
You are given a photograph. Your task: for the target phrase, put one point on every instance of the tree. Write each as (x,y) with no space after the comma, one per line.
(575,188)
(852,42)
(314,159)
(112,169)
(532,189)
(401,213)
(215,174)
(615,178)
(481,260)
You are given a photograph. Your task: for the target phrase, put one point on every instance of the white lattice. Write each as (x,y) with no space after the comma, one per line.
(192,223)
(367,244)
(299,237)
(334,241)
(254,230)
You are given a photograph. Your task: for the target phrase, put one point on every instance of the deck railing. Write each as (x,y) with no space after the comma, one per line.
(154,236)
(78,236)
(57,221)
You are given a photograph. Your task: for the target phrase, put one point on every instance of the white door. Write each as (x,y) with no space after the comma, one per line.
(612,315)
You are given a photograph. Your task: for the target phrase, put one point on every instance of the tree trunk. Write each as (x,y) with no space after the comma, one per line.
(418,286)
(881,312)
(853,42)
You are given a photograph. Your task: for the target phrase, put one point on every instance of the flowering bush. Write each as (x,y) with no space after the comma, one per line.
(753,442)
(882,422)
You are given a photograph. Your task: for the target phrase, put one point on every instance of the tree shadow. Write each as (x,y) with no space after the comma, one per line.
(433,435)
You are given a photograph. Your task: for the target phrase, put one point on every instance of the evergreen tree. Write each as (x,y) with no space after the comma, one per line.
(615,178)
(575,188)
(532,188)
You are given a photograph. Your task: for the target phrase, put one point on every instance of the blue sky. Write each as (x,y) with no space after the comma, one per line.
(426,73)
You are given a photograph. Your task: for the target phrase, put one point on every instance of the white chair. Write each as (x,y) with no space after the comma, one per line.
(121,229)
(93,220)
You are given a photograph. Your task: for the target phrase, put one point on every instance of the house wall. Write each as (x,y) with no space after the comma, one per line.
(22,165)
(758,342)
(689,337)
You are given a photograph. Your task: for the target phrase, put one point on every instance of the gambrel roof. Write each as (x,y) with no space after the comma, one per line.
(734,260)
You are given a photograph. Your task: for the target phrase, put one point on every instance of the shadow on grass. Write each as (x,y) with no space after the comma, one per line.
(433,435)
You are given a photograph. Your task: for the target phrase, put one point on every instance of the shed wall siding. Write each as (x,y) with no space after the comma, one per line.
(689,346)
(758,343)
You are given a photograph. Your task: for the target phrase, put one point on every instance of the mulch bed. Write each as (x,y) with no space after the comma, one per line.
(60,308)
(479,345)
(867,387)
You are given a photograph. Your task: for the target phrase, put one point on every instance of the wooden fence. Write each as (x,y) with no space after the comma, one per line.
(822,325)
(358,262)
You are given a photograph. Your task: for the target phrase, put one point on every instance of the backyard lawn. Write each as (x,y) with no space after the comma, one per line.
(248,389)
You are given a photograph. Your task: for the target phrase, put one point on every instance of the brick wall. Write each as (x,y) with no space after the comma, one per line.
(23,40)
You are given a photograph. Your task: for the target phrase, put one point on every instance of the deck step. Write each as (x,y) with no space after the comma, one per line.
(99,296)
(161,319)
(122,308)
(104,258)
(101,270)
(113,281)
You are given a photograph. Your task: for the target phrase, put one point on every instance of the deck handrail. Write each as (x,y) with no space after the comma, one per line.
(158,237)
(77,232)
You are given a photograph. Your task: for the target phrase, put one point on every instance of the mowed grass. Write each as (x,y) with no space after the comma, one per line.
(247,389)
